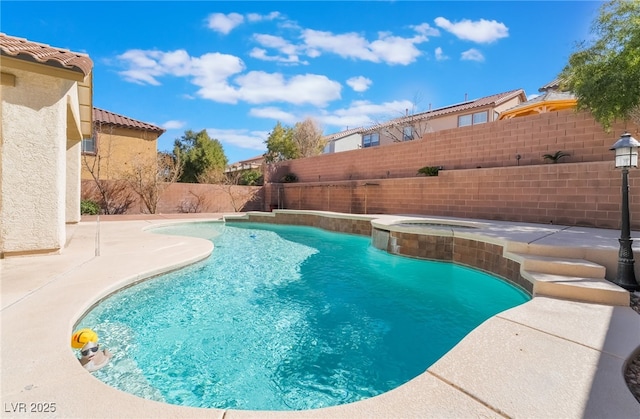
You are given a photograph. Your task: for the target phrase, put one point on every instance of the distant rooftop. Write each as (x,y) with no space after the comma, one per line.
(342,134)
(101,116)
(35,52)
(458,107)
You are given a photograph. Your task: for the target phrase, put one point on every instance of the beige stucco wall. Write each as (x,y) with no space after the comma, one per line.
(72,208)
(117,149)
(34,162)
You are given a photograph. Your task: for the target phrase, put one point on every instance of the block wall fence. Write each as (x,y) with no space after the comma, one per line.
(193,197)
(481,178)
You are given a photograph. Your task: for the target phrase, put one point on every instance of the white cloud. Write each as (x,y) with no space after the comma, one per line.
(242,138)
(146,66)
(261,54)
(222,23)
(426,30)
(173,124)
(364,113)
(261,87)
(277,114)
(211,73)
(289,52)
(387,48)
(359,84)
(440,54)
(472,55)
(255,17)
(480,31)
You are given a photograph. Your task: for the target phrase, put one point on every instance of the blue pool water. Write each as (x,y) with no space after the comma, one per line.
(288,318)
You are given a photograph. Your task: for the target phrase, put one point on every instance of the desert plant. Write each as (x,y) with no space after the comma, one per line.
(289,178)
(89,207)
(555,157)
(429,170)
(250,178)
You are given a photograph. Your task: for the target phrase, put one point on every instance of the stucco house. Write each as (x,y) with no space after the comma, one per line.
(115,143)
(349,139)
(254,163)
(414,126)
(46,112)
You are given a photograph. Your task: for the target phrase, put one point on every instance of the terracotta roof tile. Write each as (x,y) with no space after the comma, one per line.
(495,100)
(101,116)
(24,49)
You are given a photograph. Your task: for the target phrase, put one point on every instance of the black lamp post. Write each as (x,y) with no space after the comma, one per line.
(626,149)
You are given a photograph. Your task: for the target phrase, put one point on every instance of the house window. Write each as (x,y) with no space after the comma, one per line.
(464,120)
(371,140)
(480,118)
(407,133)
(89,145)
(472,119)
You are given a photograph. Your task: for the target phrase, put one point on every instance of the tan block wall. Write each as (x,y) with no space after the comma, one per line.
(193,197)
(118,148)
(586,194)
(584,189)
(493,144)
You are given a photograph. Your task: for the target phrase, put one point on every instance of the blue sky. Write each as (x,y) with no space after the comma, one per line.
(236,68)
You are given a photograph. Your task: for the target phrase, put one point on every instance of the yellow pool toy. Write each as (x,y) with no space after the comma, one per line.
(82,336)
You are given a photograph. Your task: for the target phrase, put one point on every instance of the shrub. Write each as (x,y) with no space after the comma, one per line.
(429,170)
(250,178)
(289,178)
(555,157)
(88,207)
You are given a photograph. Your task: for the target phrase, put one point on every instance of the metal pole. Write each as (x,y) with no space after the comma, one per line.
(626,277)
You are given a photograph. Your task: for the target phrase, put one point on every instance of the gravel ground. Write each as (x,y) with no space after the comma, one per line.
(632,373)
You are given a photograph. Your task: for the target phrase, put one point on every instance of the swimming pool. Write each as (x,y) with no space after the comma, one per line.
(288,318)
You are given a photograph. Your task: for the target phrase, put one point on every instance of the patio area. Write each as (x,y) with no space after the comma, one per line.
(549,357)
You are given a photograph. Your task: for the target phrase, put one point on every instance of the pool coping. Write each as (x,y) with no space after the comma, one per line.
(547,357)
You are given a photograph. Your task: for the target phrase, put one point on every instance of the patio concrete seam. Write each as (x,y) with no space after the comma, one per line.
(562,338)
(549,234)
(471,395)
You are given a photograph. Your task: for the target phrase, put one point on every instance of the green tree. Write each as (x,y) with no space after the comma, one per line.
(198,154)
(280,145)
(604,74)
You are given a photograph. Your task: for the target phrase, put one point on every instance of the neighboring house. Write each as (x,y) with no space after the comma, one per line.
(411,127)
(551,99)
(46,112)
(349,139)
(254,163)
(116,143)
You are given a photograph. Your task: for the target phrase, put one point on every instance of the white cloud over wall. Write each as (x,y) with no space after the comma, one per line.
(472,55)
(213,74)
(224,24)
(481,31)
(243,138)
(359,84)
(173,124)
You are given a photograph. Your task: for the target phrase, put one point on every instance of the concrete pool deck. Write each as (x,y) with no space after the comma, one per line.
(546,358)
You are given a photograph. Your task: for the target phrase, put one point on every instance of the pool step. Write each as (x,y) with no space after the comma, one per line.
(587,289)
(569,278)
(558,265)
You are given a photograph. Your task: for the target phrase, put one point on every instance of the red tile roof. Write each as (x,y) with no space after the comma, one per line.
(100,116)
(24,49)
(494,100)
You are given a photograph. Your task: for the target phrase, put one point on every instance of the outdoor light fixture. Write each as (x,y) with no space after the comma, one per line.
(626,149)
